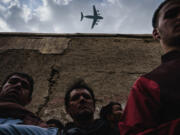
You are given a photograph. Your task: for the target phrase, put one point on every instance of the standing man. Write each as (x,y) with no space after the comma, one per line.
(80,105)
(15,93)
(153,103)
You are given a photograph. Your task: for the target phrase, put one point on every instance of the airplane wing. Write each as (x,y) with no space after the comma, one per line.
(94,9)
(94,22)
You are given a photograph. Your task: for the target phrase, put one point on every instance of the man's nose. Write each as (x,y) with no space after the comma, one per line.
(81,98)
(18,84)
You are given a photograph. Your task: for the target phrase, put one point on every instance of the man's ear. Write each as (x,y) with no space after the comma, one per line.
(156,34)
(30,99)
(67,110)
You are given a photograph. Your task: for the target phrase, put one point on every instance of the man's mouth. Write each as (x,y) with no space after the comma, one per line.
(13,91)
(83,106)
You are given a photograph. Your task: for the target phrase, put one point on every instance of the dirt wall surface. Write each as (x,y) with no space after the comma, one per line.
(108,63)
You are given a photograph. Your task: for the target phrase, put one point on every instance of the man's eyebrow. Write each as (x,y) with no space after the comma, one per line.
(172,10)
(75,95)
(15,78)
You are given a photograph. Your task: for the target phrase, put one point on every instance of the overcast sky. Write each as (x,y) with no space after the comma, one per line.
(63,16)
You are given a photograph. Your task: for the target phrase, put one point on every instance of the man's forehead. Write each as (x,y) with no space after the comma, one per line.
(18,77)
(79,91)
(116,106)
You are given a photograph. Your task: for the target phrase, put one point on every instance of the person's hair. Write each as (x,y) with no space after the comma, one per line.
(58,123)
(23,75)
(107,110)
(155,18)
(79,84)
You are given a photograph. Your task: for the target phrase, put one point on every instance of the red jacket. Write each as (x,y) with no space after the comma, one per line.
(153,106)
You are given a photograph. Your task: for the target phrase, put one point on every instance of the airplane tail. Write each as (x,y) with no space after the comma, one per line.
(82,16)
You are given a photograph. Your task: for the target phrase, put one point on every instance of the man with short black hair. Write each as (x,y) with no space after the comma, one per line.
(80,105)
(153,103)
(17,88)
(15,93)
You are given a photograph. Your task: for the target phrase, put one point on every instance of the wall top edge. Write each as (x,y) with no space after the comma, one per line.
(71,35)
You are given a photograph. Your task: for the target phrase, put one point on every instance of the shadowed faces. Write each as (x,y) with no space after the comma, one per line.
(81,105)
(17,89)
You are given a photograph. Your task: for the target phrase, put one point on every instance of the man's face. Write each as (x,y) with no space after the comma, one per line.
(169,24)
(116,112)
(81,105)
(16,89)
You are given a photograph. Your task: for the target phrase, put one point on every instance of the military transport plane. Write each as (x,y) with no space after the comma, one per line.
(96,17)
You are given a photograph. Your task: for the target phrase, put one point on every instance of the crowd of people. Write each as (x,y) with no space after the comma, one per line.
(16,93)
(151,109)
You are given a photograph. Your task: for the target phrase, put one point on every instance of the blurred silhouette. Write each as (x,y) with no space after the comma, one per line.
(111,113)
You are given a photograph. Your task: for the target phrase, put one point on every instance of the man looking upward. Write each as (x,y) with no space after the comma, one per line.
(80,105)
(15,93)
(153,103)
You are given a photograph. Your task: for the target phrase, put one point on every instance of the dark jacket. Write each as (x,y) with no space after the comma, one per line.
(98,128)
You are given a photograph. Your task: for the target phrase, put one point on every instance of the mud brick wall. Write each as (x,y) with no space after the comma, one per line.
(109,63)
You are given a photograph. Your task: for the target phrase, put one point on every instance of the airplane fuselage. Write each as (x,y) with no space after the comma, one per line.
(93,17)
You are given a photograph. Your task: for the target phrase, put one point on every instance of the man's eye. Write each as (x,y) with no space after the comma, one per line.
(25,85)
(118,109)
(76,97)
(87,96)
(13,81)
(172,13)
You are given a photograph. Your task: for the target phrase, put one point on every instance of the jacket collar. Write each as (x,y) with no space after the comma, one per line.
(170,56)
